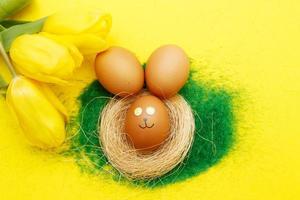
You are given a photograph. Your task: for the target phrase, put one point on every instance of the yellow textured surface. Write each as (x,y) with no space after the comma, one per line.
(254,43)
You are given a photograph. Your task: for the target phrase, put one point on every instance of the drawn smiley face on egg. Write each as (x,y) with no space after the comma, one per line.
(147,123)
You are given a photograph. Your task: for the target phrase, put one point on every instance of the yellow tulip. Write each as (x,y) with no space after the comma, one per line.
(85,28)
(40,58)
(40,114)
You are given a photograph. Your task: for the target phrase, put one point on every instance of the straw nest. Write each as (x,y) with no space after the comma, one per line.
(129,162)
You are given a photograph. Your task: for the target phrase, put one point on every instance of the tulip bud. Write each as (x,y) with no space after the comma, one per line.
(85,28)
(44,59)
(40,114)
(10,7)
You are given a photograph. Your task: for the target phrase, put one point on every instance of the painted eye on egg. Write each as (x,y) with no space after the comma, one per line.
(138,111)
(150,110)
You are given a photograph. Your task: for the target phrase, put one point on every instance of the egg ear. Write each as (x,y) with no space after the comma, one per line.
(167,71)
(119,71)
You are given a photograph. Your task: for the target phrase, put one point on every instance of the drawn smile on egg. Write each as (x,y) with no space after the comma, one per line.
(145,125)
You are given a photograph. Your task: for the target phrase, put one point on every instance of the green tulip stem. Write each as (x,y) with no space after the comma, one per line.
(7,60)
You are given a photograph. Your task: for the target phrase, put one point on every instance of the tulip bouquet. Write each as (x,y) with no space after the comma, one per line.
(42,52)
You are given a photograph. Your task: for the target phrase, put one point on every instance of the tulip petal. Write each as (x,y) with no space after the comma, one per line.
(41,122)
(45,59)
(102,27)
(78,20)
(73,50)
(41,77)
(54,100)
(87,43)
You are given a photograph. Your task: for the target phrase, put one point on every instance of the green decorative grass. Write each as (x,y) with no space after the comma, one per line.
(214,136)
(85,145)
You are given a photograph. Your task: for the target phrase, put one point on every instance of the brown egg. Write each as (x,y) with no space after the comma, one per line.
(119,71)
(167,71)
(147,123)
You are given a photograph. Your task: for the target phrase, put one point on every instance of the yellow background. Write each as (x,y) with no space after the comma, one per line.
(254,44)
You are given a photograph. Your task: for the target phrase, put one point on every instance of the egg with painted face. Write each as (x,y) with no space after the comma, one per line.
(147,123)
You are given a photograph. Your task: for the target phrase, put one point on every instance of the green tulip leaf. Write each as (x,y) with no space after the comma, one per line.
(10,34)
(2,28)
(9,23)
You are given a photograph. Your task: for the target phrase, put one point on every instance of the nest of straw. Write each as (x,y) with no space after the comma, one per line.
(131,163)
